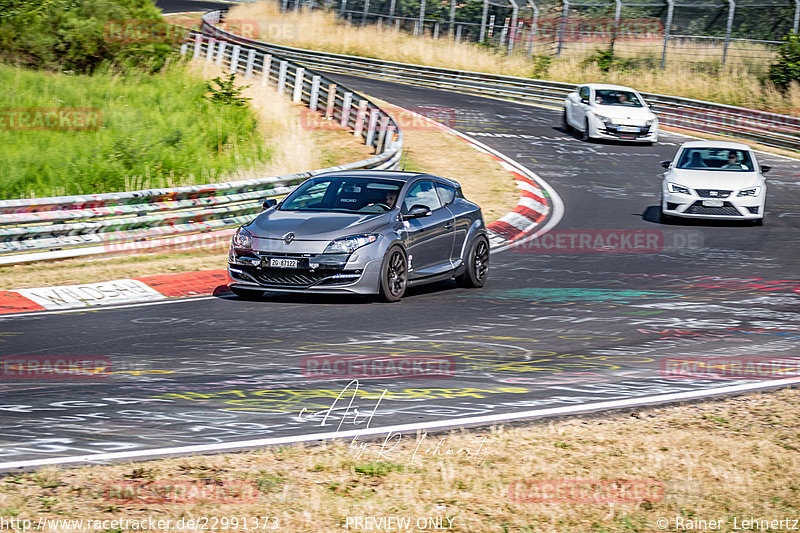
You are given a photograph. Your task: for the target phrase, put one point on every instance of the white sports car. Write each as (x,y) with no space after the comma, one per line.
(711,180)
(600,111)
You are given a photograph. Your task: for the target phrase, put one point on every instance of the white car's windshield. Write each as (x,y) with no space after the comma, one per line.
(715,159)
(344,194)
(615,97)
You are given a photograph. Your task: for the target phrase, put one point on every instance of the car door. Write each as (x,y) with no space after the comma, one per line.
(461,223)
(429,239)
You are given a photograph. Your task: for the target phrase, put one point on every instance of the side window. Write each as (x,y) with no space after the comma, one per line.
(583,92)
(422,193)
(446,193)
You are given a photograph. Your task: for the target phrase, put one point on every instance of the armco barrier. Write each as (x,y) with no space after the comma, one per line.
(782,131)
(74,226)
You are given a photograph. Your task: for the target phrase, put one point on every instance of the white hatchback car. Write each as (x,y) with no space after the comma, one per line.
(600,111)
(714,180)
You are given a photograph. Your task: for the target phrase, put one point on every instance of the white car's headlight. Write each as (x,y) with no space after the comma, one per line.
(750,191)
(243,240)
(674,187)
(348,245)
(649,123)
(605,119)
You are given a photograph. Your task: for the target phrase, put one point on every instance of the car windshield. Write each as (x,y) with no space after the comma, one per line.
(616,97)
(344,194)
(716,159)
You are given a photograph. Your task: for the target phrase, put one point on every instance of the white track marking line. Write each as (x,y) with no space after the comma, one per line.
(474,420)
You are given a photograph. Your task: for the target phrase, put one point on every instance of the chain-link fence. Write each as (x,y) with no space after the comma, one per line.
(650,33)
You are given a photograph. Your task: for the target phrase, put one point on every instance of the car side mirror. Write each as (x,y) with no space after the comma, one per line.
(417,211)
(765,168)
(269,202)
(666,164)
(584,101)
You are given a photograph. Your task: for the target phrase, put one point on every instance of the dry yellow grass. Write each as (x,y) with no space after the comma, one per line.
(735,83)
(736,458)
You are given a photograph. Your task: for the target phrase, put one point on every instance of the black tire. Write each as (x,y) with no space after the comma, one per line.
(477,270)
(585,133)
(246,293)
(564,123)
(394,275)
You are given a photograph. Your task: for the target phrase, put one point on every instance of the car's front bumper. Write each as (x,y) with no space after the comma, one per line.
(314,273)
(733,208)
(643,135)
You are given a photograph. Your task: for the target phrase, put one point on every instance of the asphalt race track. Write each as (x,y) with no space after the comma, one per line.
(550,330)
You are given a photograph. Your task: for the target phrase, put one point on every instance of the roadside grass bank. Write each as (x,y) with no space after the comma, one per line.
(153,130)
(736,83)
(716,460)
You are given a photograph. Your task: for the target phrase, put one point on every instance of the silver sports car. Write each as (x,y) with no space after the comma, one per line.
(362,232)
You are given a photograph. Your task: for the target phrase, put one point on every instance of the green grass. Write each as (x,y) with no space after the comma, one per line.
(157,131)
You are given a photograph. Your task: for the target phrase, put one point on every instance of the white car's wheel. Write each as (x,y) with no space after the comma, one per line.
(565,123)
(585,134)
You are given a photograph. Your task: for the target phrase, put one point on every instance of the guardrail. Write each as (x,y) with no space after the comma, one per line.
(74,226)
(781,131)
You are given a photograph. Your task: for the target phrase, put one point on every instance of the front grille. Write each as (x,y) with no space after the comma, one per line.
(713,193)
(727,209)
(298,278)
(613,131)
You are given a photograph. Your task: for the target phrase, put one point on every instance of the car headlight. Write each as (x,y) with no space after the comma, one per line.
(243,239)
(649,123)
(750,191)
(674,187)
(348,245)
(605,119)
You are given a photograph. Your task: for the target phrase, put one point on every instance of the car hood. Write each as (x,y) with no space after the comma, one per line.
(314,226)
(624,114)
(713,179)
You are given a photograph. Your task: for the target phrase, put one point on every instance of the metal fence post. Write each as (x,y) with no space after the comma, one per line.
(331,103)
(251,59)
(184,48)
(312,101)
(451,29)
(362,111)
(796,25)
(667,28)
(421,17)
(235,58)
(617,13)
(299,75)
(458,31)
(364,14)
(562,26)
(535,24)
(266,69)
(512,36)
(282,76)
(347,102)
(436,30)
(504,32)
(381,144)
(728,28)
(210,49)
(344,7)
(483,20)
(221,52)
(394,2)
(373,122)
(198,43)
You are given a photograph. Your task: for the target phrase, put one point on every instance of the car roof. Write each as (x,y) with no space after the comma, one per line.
(607,86)
(387,174)
(716,144)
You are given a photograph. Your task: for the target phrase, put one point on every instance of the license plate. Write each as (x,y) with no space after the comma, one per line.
(628,129)
(713,203)
(282,263)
